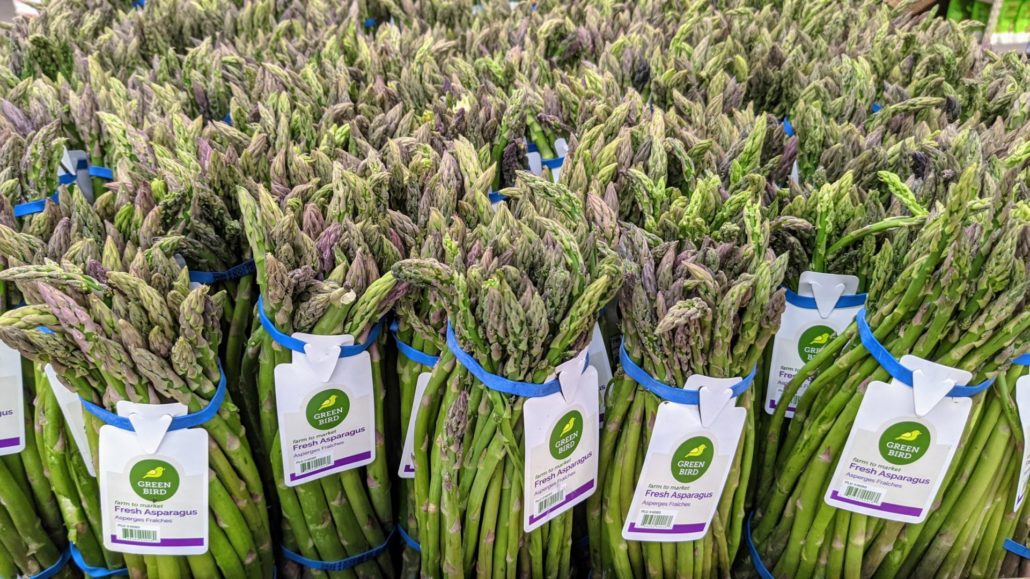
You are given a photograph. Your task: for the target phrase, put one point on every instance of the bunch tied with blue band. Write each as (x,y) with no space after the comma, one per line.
(895,368)
(809,303)
(92,571)
(232,274)
(54,569)
(37,206)
(413,354)
(672,393)
(291,343)
(341,564)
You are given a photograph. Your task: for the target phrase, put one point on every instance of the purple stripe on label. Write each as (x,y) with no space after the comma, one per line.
(9,442)
(409,468)
(688,528)
(340,462)
(162,543)
(772,406)
(568,499)
(885,507)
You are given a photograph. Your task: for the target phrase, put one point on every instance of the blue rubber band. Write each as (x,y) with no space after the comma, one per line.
(894,367)
(291,343)
(1023,360)
(178,422)
(756,559)
(554,163)
(532,148)
(53,569)
(233,273)
(412,543)
(809,303)
(91,570)
(101,172)
(37,206)
(672,393)
(370,22)
(417,356)
(788,128)
(44,330)
(876,108)
(495,382)
(33,207)
(1016,548)
(496,197)
(341,564)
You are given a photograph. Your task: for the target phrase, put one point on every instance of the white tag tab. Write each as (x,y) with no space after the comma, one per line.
(321,353)
(931,382)
(536,164)
(407,466)
(712,402)
(684,474)
(71,409)
(12,402)
(150,430)
(569,374)
(70,163)
(1023,404)
(599,361)
(561,439)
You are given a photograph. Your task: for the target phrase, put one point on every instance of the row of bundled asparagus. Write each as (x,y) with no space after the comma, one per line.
(328,148)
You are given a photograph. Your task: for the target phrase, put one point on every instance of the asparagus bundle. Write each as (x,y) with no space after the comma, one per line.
(146,337)
(522,298)
(957,300)
(319,272)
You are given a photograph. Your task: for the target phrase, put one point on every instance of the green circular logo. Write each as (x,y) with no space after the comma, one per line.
(904,442)
(813,340)
(327,409)
(154,480)
(566,435)
(692,459)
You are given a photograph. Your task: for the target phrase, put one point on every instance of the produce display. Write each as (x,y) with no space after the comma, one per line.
(679,288)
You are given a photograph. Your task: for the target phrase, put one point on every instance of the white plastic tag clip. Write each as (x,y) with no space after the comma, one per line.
(931,382)
(713,400)
(150,430)
(569,373)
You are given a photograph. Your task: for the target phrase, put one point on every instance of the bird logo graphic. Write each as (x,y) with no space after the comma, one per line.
(329,402)
(909,436)
(821,339)
(696,451)
(155,472)
(568,426)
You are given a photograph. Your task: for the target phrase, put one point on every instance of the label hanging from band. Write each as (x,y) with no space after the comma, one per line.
(407,466)
(561,438)
(12,402)
(686,466)
(71,409)
(1023,404)
(598,359)
(805,329)
(154,483)
(537,163)
(326,410)
(899,450)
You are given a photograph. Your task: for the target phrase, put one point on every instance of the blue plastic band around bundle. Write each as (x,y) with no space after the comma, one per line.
(91,570)
(53,569)
(495,382)
(1023,360)
(233,273)
(532,148)
(894,367)
(291,343)
(1016,548)
(876,108)
(178,422)
(417,356)
(672,393)
(227,119)
(554,163)
(756,559)
(37,206)
(788,128)
(412,543)
(809,303)
(342,564)
(496,197)
(370,22)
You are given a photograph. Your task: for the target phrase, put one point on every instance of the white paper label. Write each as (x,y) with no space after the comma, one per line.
(802,335)
(536,161)
(561,437)
(894,460)
(407,467)
(326,420)
(70,161)
(12,402)
(1023,403)
(685,469)
(71,409)
(598,359)
(154,502)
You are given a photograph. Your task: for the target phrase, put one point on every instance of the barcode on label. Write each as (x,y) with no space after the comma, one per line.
(314,464)
(549,501)
(149,535)
(861,494)
(657,520)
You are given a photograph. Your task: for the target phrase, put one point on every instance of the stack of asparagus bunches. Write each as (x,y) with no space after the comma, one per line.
(323,273)
(957,298)
(142,336)
(689,308)
(522,298)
